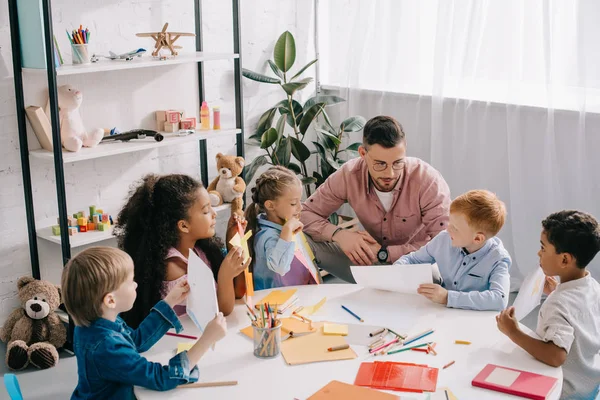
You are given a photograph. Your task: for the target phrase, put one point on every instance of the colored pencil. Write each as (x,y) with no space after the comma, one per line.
(181,336)
(408,348)
(354,315)
(340,347)
(419,336)
(461,342)
(449,364)
(207,384)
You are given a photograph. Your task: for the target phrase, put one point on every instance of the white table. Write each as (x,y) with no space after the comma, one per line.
(233,358)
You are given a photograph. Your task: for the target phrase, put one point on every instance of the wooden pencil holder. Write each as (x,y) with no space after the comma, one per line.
(267,341)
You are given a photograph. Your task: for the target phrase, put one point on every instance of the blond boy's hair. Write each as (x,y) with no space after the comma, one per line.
(483,210)
(88,277)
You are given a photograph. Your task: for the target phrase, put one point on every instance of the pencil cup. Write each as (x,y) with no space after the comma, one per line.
(267,341)
(80,54)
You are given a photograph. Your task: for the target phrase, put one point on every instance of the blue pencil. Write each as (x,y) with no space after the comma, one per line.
(420,336)
(354,315)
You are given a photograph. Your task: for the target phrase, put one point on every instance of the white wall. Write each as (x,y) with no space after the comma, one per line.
(127,99)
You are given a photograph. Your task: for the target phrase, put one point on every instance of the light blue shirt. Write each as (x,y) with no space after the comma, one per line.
(477,281)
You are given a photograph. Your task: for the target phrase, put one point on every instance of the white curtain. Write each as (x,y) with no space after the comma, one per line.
(498,94)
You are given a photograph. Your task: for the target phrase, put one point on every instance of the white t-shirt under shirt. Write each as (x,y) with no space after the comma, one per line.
(386,199)
(570,318)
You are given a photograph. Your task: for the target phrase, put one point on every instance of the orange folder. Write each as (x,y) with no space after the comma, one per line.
(397,376)
(336,390)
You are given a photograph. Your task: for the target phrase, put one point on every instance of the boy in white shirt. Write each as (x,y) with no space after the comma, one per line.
(569,319)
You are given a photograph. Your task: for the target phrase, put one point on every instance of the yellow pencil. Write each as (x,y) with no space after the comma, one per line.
(461,342)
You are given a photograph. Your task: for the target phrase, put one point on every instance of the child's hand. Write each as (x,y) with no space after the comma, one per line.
(292,227)
(507,323)
(233,264)
(216,329)
(434,292)
(232,226)
(178,294)
(550,285)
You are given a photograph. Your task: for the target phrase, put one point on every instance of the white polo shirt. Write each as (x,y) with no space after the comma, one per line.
(570,318)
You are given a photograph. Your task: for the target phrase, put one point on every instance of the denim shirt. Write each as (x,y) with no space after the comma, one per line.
(476,281)
(109,363)
(275,262)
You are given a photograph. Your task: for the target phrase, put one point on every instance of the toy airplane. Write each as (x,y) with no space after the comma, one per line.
(130,55)
(164,39)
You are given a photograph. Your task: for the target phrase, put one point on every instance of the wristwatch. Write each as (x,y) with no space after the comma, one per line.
(382,254)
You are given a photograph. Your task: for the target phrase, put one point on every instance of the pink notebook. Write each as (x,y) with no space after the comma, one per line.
(515,382)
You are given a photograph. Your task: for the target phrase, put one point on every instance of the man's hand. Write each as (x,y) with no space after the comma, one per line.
(357,246)
(373,245)
(433,292)
(507,323)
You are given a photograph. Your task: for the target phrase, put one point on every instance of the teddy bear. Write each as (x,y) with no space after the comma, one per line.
(34,331)
(72,132)
(228,186)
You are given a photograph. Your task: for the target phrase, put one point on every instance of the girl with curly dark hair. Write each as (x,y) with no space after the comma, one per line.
(165,217)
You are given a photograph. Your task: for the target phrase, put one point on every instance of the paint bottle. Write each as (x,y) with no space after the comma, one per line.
(204,116)
(216,118)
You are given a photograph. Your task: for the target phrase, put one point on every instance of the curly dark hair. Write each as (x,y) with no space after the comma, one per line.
(573,232)
(146,229)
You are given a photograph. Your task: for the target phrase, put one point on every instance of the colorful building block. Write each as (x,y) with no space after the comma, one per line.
(188,123)
(56,230)
(91,226)
(173,116)
(171,127)
(82,228)
(102,227)
(80,214)
(73,231)
(96,218)
(161,118)
(92,210)
(105,219)
(72,221)
(81,221)
(99,211)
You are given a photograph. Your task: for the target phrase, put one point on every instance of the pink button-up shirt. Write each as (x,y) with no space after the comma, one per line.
(419,210)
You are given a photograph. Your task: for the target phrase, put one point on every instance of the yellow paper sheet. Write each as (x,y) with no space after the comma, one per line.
(335,329)
(277,297)
(184,346)
(242,241)
(310,310)
(304,254)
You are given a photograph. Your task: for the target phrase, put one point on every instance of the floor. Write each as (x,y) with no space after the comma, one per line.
(58,383)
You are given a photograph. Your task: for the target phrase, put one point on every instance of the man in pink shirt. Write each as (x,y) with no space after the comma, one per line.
(402,203)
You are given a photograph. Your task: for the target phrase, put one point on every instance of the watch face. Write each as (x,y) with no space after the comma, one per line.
(382,255)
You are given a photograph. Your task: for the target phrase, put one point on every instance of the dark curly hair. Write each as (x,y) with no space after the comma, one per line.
(573,232)
(146,229)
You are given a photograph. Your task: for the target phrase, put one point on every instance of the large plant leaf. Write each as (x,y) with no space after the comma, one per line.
(328,122)
(295,167)
(283,152)
(265,121)
(353,124)
(285,109)
(291,87)
(333,138)
(329,100)
(303,69)
(285,51)
(308,180)
(251,169)
(299,149)
(326,170)
(326,141)
(268,138)
(319,179)
(255,76)
(275,69)
(354,146)
(309,116)
(326,156)
(280,127)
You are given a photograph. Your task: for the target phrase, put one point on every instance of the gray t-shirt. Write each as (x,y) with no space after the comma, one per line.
(570,318)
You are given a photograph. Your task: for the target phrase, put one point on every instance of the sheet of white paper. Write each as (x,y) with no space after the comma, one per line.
(530,294)
(502,377)
(202,303)
(395,278)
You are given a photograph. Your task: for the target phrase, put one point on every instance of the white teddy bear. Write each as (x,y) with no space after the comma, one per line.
(72,132)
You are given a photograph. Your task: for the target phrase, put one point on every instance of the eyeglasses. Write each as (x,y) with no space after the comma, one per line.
(380,166)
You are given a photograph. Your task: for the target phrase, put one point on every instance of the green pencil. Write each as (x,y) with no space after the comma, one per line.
(408,348)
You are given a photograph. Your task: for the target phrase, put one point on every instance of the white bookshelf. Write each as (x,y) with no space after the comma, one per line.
(82,239)
(145,61)
(117,147)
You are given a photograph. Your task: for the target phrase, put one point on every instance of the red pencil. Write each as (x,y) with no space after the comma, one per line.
(182,336)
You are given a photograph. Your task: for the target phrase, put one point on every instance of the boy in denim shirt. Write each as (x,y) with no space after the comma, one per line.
(473,262)
(97,285)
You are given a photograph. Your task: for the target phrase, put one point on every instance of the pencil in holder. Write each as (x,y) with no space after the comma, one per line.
(267,341)
(80,54)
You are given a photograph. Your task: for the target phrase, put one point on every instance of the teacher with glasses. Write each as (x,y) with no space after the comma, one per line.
(401,203)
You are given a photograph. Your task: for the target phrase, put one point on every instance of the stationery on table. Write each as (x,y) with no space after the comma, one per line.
(181,335)
(515,382)
(353,314)
(314,348)
(442,394)
(335,329)
(241,240)
(418,336)
(336,390)
(202,306)
(394,278)
(397,376)
(530,293)
(310,310)
(358,334)
(287,325)
(79,36)
(280,298)
(266,331)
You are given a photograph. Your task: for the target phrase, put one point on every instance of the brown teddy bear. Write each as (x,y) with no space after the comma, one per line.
(34,332)
(228,187)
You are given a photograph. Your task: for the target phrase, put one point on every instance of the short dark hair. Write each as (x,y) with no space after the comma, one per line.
(384,131)
(573,232)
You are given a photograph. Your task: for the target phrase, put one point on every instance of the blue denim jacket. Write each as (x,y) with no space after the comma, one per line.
(476,281)
(109,363)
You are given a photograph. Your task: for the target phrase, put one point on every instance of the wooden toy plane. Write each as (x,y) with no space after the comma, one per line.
(165,39)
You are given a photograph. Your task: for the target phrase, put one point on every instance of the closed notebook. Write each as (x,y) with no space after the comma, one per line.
(397,376)
(515,382)
(281,298)
(336,390)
